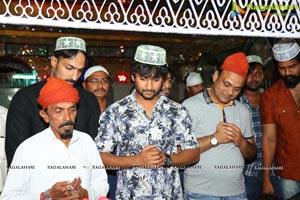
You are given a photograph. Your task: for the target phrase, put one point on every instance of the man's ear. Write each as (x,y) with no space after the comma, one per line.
(53,62)
(215,76)
(188,89)
(84,85)
(44,115)
(132,78)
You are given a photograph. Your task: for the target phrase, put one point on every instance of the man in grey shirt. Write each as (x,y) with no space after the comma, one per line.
(223,129)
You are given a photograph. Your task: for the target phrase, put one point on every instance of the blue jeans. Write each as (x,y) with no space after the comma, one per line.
(195,196)
(289,187)
(112,181)
(254,186)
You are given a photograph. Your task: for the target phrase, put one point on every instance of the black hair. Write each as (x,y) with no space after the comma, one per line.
(147,70)
(220,70)
(67,53)
(297,57)
(252,66)
(171,71)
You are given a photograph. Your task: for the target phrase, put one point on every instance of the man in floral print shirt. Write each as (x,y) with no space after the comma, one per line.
(147,135)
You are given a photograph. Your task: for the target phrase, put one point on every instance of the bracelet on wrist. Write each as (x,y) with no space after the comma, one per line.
(46,195)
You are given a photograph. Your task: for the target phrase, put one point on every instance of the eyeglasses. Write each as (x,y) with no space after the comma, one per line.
(96,81)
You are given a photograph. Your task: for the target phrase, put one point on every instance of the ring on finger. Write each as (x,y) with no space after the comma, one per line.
(73,191)
(69,187)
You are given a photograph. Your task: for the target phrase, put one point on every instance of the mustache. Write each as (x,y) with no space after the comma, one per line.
(291,80)
(256,82)
(68,123)
(100,90)
(71,81)
(148,90)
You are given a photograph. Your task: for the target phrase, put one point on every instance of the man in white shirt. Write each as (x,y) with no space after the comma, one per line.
(3,165)
(59,162)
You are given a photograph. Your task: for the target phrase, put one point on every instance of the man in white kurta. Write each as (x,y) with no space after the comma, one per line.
(42,160)
(59,162)
(3,162)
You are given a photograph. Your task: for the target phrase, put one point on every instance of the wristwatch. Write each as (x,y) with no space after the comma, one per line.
(214,141)
(168,160)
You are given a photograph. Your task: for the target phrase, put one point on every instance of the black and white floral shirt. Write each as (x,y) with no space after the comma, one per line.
(125,129)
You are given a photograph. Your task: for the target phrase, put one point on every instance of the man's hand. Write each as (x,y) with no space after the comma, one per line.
(233,133)
(68,190)
(151,156)
(221,133)
(267,187)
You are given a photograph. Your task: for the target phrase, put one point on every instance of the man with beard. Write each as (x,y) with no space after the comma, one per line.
(223,129)
(58,162)
(251,98)
(97,81)
(23,121)
(146,135)
(280,112)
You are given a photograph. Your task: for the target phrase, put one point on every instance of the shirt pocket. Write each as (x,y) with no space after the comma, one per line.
(283,115)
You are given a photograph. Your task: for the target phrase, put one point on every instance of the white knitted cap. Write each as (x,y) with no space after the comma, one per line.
(285,50)
(64,43)
(193,79)
(254,58)
(93,69)
(152,55)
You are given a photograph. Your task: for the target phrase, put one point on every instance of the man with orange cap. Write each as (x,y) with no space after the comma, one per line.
(59,162)
(223,129)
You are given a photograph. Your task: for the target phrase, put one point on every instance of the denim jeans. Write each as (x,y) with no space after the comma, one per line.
(112,181)
(289,187)
(254,186)
(195,196)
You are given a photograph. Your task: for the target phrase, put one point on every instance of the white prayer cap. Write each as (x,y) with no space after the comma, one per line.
(65,43)
(193,79)
(152,55)
(254,58)
(285,50)
(93,69)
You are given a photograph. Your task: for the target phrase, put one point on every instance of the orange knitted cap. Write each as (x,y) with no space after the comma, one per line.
(57,91)
(236,63)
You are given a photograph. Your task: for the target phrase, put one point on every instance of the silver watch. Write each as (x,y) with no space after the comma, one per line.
(214,141)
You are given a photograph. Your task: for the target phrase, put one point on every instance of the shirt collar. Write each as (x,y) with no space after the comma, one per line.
(210,100)
(74,138)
